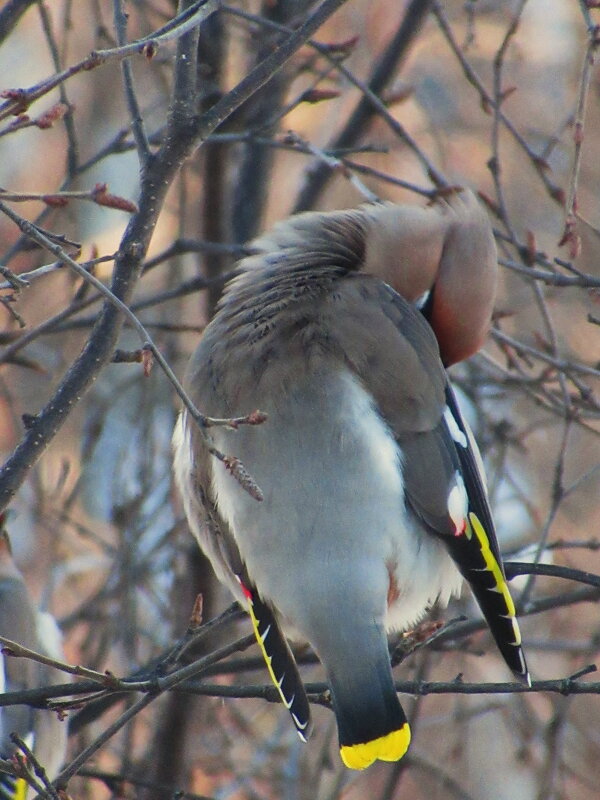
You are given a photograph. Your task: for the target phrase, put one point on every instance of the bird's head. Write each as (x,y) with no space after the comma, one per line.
(443,258)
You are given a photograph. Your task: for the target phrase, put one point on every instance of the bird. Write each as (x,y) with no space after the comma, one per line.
(42,731)
(340,327)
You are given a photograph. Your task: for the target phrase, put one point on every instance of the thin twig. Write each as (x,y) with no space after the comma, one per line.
(19,99)
(234,465)
(488,100)
(137,122)
(570,236)
(15,650)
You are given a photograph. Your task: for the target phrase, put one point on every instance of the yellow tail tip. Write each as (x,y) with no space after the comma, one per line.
(390,747)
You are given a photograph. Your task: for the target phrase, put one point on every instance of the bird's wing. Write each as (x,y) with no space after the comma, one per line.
(279,659)
(400,365)
(475,548)
(215,538)
(465,524)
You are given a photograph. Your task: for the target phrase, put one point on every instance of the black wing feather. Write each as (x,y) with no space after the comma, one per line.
(279,659)
(477,555)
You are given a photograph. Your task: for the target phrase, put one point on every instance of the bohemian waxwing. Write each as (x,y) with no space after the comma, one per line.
(339,327)
(42,731)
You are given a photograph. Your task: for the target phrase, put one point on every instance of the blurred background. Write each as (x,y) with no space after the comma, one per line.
(497,95)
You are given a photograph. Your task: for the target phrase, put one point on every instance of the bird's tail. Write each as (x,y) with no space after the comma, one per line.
(371,723)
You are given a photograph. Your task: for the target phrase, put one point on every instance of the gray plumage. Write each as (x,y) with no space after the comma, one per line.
(356,460)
